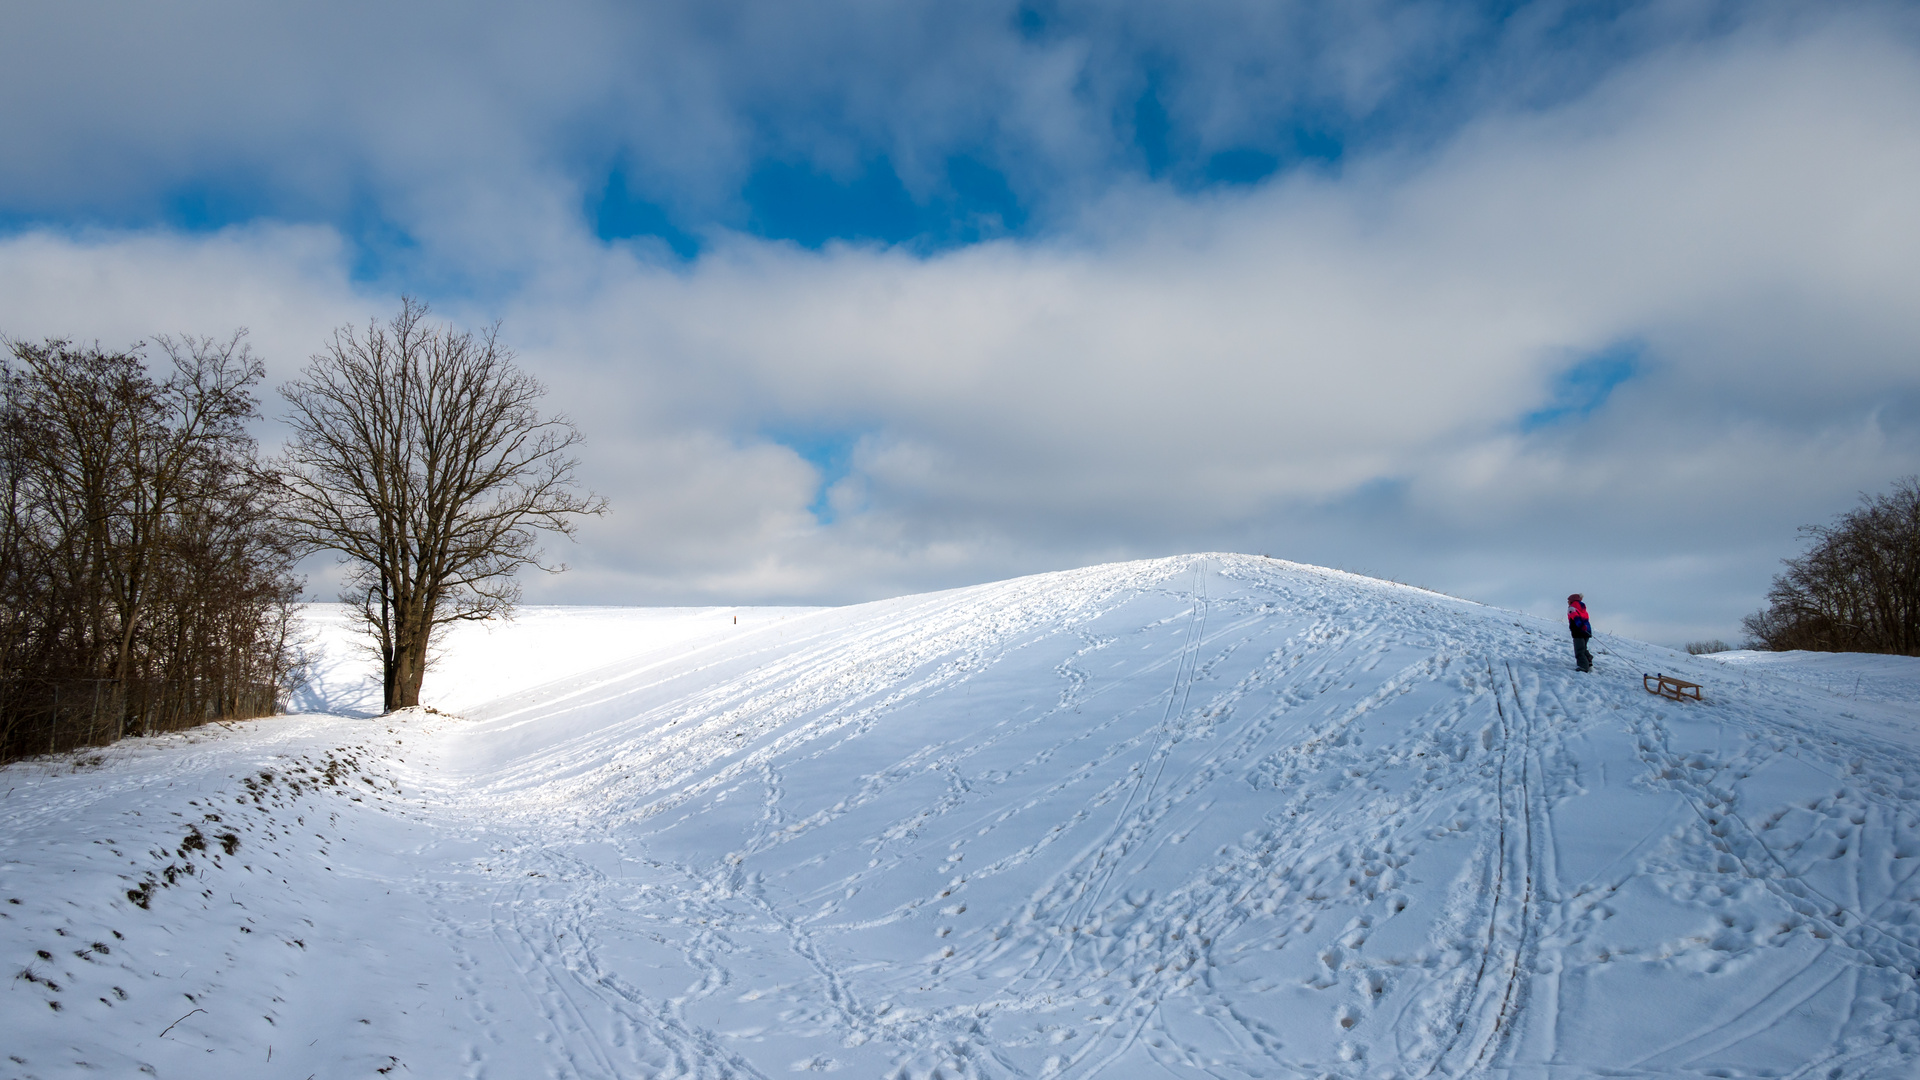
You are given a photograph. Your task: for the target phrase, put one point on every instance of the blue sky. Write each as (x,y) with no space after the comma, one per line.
(1586,385)
(850,299)
(912,125)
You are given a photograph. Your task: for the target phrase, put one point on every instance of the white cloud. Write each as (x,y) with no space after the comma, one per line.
(1332,367)
(289,285)
(348,108)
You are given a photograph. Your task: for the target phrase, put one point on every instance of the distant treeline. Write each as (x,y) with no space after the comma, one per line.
(143,584)
(1857,589)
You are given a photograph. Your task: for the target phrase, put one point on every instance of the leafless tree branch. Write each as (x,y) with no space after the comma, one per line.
(420,456)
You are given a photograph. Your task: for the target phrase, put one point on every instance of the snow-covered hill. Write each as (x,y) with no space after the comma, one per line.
(1211,815)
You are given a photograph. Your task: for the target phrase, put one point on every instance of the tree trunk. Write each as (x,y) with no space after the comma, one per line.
(389,664)
(408,674)
(412,629)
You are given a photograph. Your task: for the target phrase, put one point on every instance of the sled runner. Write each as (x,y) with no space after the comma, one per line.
(1669,687)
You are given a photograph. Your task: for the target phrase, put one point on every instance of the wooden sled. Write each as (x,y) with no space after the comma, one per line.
(1669,687)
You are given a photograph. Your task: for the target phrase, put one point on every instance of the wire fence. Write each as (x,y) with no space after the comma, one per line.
(44,716)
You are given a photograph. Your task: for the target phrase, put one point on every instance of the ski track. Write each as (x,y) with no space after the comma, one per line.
(1213,815)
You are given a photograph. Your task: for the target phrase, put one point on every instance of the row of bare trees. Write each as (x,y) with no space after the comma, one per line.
(146,553)
(1857,589)
(144,582)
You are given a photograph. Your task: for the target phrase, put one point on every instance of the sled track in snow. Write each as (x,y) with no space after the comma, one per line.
(1494,997)
(1137,808)
(1520,724)
(1178,699)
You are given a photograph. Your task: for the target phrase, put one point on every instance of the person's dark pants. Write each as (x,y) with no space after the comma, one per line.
(1581,657)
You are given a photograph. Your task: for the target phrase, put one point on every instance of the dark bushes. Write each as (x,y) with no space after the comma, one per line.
(143,585)
(1857,589)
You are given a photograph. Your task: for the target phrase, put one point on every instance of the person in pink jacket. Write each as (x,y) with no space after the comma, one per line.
(1582,628)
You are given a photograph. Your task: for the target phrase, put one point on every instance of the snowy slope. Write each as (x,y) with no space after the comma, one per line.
(1892,680)
(475,662)
(1211,815)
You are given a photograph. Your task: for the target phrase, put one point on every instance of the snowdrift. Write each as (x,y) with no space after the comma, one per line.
(1210,815)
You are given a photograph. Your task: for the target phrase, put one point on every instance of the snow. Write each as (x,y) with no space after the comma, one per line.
(492,658)
(1208,815)
(1892,680)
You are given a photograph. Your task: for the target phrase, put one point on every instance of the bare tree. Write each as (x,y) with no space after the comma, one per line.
(1857,589)
(419,456)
